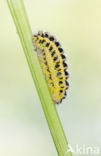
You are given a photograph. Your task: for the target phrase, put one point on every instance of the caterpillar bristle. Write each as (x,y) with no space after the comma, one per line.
(61,101)
(65,93)
(64,97)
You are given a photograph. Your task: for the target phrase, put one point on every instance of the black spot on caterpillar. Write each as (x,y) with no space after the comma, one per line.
(51,38)
(50,49)
(52,60)
(57,43)
(47,44)
(60,50)
(53,53)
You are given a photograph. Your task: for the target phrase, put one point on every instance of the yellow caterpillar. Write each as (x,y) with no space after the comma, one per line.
(52,60)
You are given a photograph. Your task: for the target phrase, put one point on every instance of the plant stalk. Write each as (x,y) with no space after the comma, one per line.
(20,18)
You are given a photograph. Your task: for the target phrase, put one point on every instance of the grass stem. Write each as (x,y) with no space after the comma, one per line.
(20,18)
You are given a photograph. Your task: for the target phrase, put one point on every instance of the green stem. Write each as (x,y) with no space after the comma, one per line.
(18,13)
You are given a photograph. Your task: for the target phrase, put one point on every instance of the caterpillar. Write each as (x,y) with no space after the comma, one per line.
(53,63)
